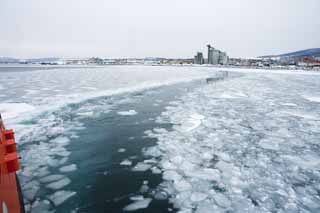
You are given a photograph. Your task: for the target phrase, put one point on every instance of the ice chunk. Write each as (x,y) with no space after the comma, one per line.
(222,200)
(207,208)
(141,167)
(150,161)
(61,196)
(68,168)
(313,98)
(130,112)
(121,150)
(30,193)
(126,162)
(153,151)
(225,167)
(227,96)
(42,172)
(59,184)
(63,160)
(182,185)
(141,204)
(205,174)
(197,116)
(51,178)
(161,195)
(171,175)
(60,140)
(289,104)
(198,196)
(12,110)
(155,170)
(85,114)
(190,125)
(138,197)
(41,206)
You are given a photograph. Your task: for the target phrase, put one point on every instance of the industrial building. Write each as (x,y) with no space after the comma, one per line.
(216,56)
(223,58)
(198,59)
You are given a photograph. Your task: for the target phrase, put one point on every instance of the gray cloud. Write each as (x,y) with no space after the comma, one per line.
(169,28)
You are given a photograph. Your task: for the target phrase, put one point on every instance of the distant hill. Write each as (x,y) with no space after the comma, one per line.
(8,60)
(5,60)
(298,54)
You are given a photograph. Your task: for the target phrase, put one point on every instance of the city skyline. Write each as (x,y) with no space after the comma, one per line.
(172,29)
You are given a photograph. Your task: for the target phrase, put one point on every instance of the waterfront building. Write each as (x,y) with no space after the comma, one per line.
(215,56)
(210,54)
(223,58)
(198,59)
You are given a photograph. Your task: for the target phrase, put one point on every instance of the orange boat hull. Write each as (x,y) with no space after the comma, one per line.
(10,194)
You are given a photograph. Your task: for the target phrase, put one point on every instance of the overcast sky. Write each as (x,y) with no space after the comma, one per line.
(168,28)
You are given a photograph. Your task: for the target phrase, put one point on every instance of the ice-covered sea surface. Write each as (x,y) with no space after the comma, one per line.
(164,139)
(81,133)
(25,89)
(247,144)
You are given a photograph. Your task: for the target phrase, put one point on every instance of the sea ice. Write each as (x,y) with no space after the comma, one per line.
(155,170)
(140,204)
(12,110)
(60,140)
(252,149)
(192,123)
(30,193)
(198,196)
(222,200)
(141,167)
(138,197)
(126,162)
(313,98)
(60,197)
(41,206)
(59,184)
(121,150)
(51,178)
(85,114)
(130,112)
(68,168)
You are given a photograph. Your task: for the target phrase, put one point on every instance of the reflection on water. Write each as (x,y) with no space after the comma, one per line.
(220,76)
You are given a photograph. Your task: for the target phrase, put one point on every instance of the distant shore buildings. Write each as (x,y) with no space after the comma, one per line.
(307,59)
(198,59)
(214,57)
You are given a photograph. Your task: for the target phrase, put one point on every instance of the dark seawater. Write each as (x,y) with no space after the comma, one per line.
(101,183)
